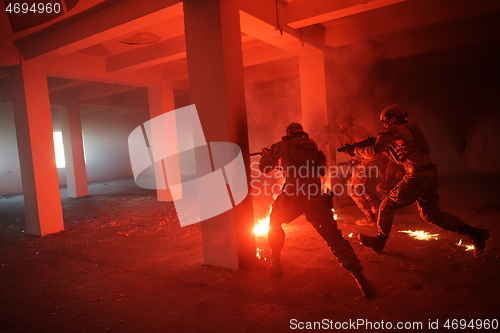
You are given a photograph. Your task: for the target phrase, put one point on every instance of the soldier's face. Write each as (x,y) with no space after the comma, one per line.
(388,122)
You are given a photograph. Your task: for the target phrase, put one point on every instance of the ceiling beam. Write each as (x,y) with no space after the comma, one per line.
(135,97)
(177,70)
(165,51)
(90,91)
(273,14)
(88,68)
(157,53)
(260,53)
(409,15)
(263,53)
(66,86)
(273,70)
(302,13)
(94,90)
(96,25)
(111,109)
(268,33)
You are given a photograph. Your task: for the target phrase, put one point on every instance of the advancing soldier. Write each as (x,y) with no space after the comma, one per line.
(405,144)
(366,201)
(302,163)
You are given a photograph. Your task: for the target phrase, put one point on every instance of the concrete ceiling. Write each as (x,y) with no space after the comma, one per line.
(101,49)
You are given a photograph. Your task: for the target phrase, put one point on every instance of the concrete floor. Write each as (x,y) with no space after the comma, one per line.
(124,264)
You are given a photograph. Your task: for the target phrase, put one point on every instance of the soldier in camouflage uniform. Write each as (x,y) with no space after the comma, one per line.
(367,201)
(405,144)
(392,175)
(302,164)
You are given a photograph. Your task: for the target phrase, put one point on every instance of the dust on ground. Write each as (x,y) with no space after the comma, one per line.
(124,264)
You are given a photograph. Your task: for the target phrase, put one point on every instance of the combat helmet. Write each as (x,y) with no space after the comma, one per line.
(396,111)
(344,116)
(294,128)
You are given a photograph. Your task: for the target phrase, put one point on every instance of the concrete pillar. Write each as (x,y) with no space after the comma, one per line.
(161,100)
(33,121)
(215,68)
(313,99)
(76,173)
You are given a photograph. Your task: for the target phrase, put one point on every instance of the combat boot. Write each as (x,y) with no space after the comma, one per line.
(365,285)
(478,236)
(376,243)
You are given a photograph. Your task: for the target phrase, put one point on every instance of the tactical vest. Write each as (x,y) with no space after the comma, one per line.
(302,152)
(399,151)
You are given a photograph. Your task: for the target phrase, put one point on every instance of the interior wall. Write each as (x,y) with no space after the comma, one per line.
(105,139)
(105,136)
(10,172)
(457,106)
(455,101)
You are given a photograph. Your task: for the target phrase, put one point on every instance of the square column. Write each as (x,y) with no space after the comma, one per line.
(76,173)
(215,68)
(33,119)
(161,100)
(313,99)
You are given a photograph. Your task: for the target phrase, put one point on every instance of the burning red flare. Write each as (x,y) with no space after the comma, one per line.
(421,234)
(262,226)
(468,247)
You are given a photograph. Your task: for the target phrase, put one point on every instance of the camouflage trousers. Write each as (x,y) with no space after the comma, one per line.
(385,187)
(423,192)
(366,200)
(287,208)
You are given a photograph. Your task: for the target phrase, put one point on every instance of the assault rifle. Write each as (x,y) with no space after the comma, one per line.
(349,163)
(258,153)
(349,149)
